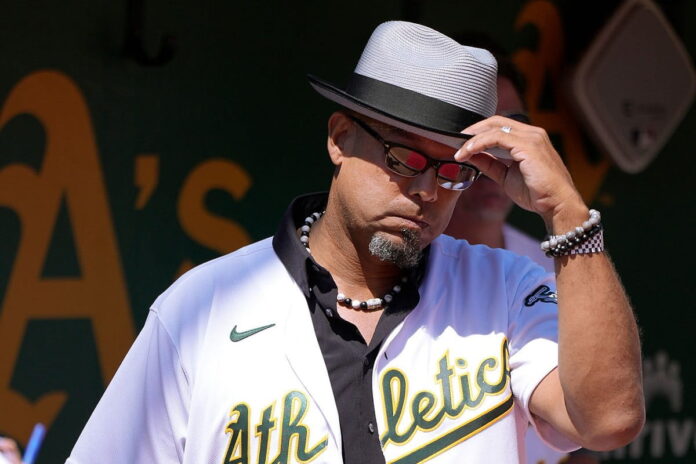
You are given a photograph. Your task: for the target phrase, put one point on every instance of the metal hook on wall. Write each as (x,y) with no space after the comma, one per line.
(134,46)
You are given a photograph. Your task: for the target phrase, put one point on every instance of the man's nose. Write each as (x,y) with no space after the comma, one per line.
(425,185)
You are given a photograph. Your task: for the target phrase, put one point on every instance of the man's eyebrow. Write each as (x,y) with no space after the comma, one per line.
(385,129)
(381,127)
(400,132)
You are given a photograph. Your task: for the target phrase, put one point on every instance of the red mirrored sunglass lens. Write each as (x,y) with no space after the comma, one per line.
(450,171)
(410,158)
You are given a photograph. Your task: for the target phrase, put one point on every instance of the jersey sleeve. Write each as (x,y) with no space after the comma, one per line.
(533,342)
(142,416)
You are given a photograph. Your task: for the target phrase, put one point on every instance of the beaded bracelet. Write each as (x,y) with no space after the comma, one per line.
(582,240)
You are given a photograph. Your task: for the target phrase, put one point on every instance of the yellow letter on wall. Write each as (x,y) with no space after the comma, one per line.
(70,170)
(215,232)
(541,64)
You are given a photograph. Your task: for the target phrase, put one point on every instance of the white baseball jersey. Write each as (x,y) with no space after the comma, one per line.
(227,368)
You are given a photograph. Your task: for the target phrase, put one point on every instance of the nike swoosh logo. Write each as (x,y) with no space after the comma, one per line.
(239,336)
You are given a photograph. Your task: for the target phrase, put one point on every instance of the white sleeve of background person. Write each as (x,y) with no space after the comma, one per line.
(524,245)
(143,414)
(533,341)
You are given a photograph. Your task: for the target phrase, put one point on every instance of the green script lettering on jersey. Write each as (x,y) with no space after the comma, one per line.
(294,434)
(425,410)
(238,446)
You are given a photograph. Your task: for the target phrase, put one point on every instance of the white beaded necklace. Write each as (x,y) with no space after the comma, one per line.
(373,304)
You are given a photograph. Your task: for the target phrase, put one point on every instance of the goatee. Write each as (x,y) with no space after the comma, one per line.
(405,255)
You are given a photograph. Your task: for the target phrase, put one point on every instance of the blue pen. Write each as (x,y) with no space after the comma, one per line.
(32,449)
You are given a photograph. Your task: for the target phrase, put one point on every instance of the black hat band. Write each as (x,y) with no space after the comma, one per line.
(411,106)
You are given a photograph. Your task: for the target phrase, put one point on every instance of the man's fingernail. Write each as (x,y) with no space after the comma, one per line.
(469,146)
(458,154)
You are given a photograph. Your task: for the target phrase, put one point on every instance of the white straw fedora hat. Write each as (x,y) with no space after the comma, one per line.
(415,78)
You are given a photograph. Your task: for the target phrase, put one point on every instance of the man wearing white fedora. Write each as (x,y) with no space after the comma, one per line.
(358,333)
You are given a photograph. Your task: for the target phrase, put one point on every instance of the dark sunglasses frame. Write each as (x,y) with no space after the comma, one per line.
(430,162)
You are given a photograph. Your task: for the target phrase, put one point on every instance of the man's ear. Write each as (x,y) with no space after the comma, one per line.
(341,137)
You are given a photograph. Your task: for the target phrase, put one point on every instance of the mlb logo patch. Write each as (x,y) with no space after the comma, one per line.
(542,294)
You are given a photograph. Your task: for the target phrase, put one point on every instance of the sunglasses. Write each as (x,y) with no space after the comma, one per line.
(408,162)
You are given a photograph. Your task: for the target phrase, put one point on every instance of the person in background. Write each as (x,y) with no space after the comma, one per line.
(480,218)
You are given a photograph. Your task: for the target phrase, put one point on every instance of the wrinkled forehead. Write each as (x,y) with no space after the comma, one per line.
(386,130)
(417,142)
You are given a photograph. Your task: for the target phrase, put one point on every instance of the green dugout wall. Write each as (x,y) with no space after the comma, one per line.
(140,139)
